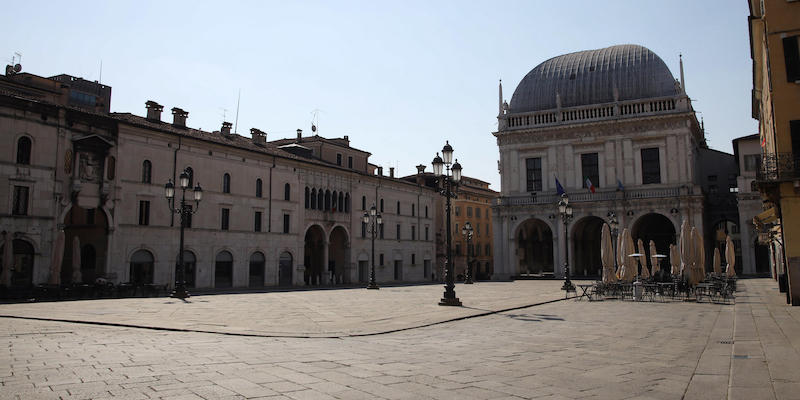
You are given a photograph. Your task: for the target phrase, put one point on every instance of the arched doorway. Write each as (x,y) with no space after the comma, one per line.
(141,268)
(22,264)
(761,257)
(189,268)
(660,230)
(722,230)
(90,226)
(313,255)
(285,269)
(223,270)
(257,264)
(586,247)
(337,255)
(534,248)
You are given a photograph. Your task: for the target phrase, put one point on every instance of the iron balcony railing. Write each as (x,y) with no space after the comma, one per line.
(779,167)
(609,195)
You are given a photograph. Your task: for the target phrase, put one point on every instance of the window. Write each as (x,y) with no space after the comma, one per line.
(147,170)
(458,211)
(488,250)
(339,159)
(478,229)
(259,190)
(533,174)
(456,230)
(347,202)
(144,212)
(24,150)
(426,211)
(413,259)
(398,208)
(591,169)
(364,203)
(458,249)
(363,229)
(477,212)
(381,205)
(712,178)
(226,213)
(190,172)
(320,200)
(20,201)
(487,229)
(651,167)
(476,250)
(791,55)
(257,221)
(398,231)
(313,199)
(469,211)
(426,233)
(349,162)
(413,232)
(380,230)
(287,192)
(307,198)
(712,189)
(111,171)
(226,183)
(341,202)
(381,258)
(286,223)
(413,211)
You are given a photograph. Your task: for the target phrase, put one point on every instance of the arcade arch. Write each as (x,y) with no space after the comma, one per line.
(534,247)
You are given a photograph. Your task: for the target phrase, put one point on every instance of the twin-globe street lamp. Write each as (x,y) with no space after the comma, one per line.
(614,225)
(565,209)
(442,170)
(184,211)
(372,220)
(466,230)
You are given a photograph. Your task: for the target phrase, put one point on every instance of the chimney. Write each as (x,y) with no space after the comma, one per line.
(179,117)
(259,137)
(299,135)
(391,172)
(153,110)
(226,128)
(380,171)
(347,139)
(421,169)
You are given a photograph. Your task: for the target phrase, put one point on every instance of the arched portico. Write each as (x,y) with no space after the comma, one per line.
(660,230)
(338,254)
(534,247)
(90,226)
(314,255)
(586,234)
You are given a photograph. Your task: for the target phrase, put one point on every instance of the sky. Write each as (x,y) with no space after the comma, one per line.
(399,78)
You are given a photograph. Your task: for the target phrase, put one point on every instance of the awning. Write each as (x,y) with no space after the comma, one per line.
(767,217)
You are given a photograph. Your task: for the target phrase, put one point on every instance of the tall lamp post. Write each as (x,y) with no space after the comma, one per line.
(184,211)
(614,225)
(565,209)
(466,230)
(372,220)
(442,170)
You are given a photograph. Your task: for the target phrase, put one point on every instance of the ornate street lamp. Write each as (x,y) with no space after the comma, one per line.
(466,230)
(565,209)
(372,220)
(614,225)
(442,170)
(184,211)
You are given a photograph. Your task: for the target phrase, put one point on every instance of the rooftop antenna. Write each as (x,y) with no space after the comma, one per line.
(236,123)
(100,79)
(224,113)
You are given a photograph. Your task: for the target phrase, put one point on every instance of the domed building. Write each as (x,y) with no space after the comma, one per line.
(616,131)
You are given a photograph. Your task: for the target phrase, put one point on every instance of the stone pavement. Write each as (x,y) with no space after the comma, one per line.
(558,350)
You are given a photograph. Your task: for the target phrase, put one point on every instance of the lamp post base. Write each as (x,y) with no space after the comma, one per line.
(450,301)
(373,285)
(179,293)
(568,286)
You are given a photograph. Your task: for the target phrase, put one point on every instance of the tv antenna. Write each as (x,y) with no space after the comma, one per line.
(224,113)
(236,123)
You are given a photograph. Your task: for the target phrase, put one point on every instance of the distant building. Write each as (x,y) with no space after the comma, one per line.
(755,254)
(282,212)
(620,135)
(774,27)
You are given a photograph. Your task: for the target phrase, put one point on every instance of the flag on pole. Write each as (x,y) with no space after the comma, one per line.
(559,188)
(619,185)
(589,185)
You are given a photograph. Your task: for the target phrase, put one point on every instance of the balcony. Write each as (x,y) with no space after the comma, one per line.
(608,195)
(779,167)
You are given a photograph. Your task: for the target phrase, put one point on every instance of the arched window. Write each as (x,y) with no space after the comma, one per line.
(287,192)
(24,150)
(190,172)
(147,171)
(223,270)
(259,187)
(347,202)
(189,268)
(364,203)
(313,199)
(327,200)
(320,200)
(111,171)
(381,205)
(141,271)
(426,211)
(226,183)
(341,202)
(257,263)
(334,202)
(307,199)
(413,210)
(398,208)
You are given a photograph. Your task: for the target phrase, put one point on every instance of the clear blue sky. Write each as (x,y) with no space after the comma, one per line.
(398,77)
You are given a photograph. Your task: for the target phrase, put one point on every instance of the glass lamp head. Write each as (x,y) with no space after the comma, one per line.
(456,171)
(447,153)
(198,193)
(379,219)
(438,165)
(365,218)
(183,180)
(169,190)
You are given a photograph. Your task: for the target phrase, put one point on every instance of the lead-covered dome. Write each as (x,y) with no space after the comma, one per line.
(589,77)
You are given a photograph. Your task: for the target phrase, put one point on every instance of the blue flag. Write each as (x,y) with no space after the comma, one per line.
(619,185)
(559,188)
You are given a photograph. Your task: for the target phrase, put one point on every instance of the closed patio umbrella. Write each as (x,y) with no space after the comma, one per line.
(607,255)
(655,261)
(621,258)
(631,270)
(716,262)
(730,257)
(642,259)
(700,256)
(675,259)
(8,261)
(685,250)
(56,259)
(76,260)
